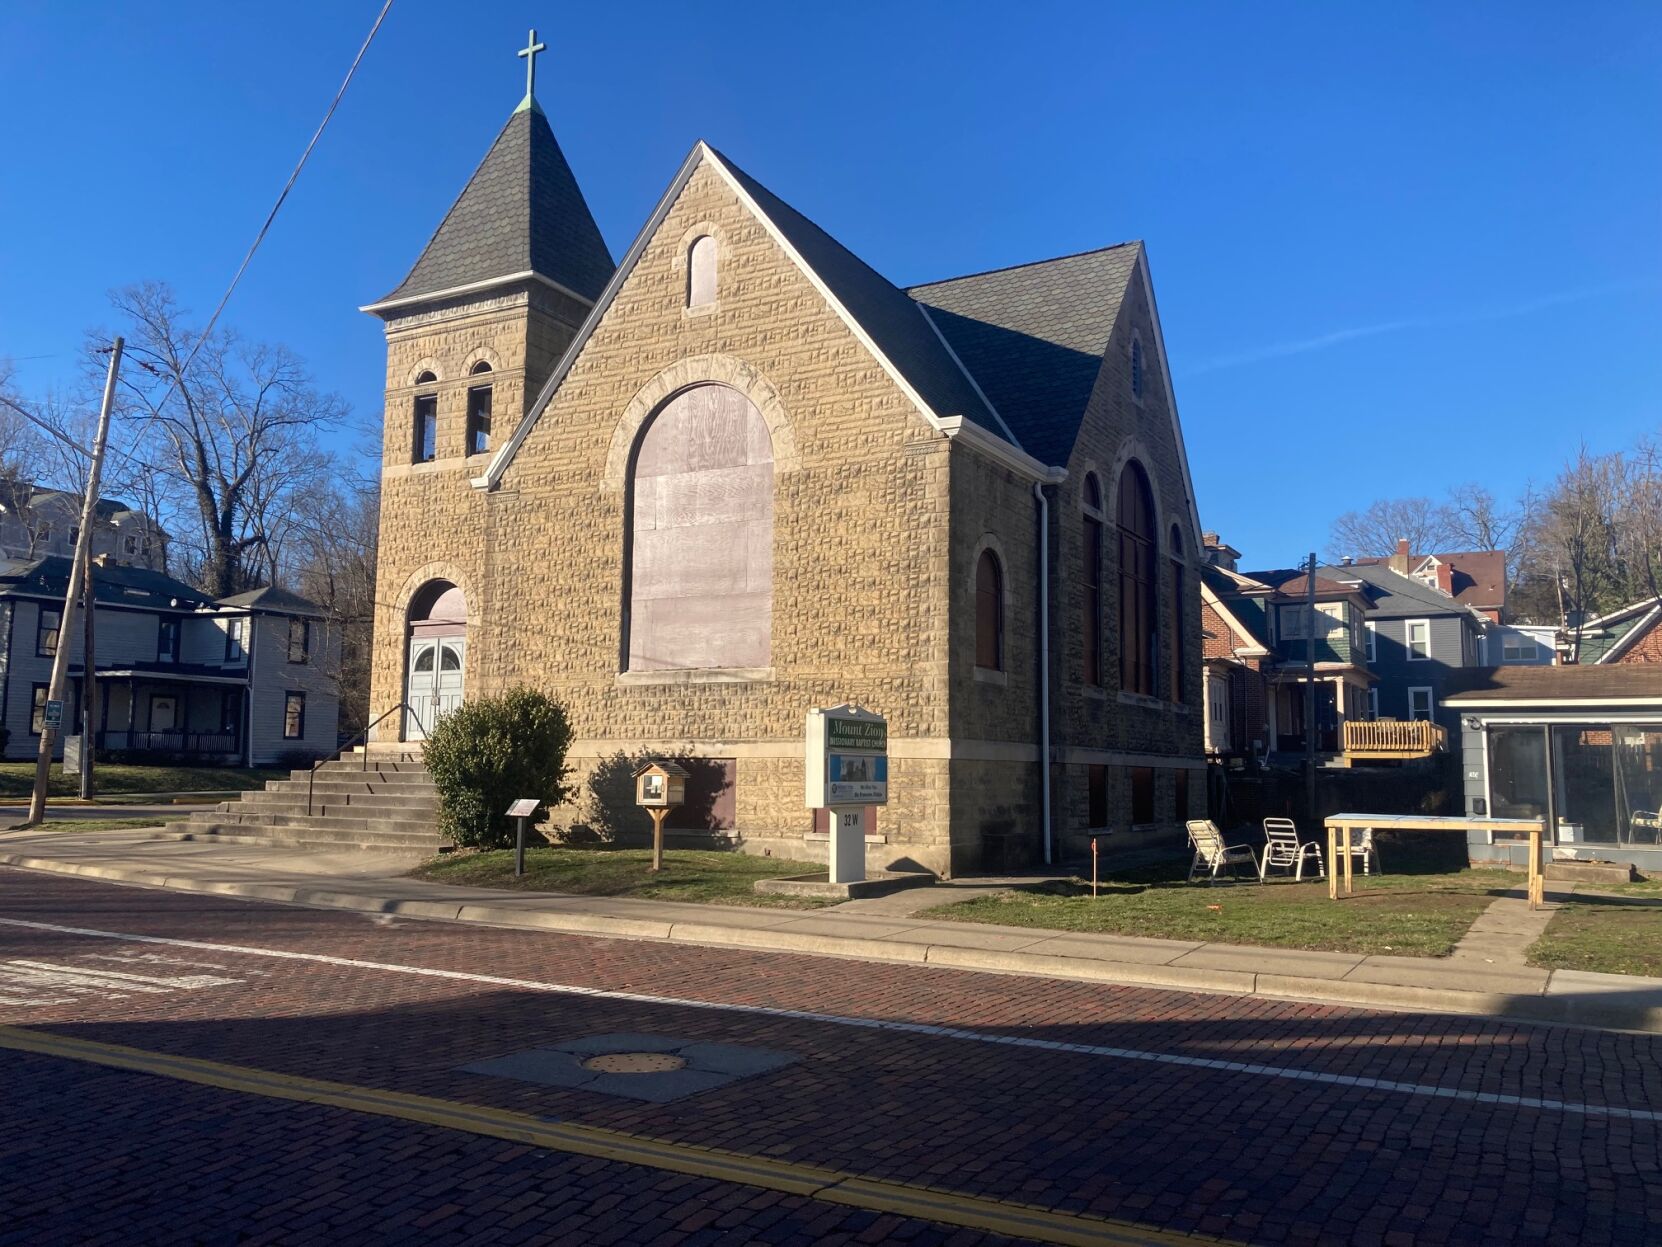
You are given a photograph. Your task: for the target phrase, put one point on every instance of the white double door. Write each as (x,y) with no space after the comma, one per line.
(435,682)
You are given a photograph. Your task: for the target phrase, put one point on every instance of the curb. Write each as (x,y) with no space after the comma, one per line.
(1566,1010)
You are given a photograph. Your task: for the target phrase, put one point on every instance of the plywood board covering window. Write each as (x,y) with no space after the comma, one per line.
(701,536)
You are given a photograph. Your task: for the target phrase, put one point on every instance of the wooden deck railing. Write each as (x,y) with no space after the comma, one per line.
(1394,738)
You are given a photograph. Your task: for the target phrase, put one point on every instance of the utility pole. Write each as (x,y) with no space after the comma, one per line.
(1310,686)
(72,596)
(89,687)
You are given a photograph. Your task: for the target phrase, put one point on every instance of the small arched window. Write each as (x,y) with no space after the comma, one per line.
(1135,521)
(1177,665)
(701,271)
(1137,367)
(1090,629)
(424,436)
(479,410)
(989,613)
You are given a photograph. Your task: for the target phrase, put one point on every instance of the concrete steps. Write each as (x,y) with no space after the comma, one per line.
(390,805)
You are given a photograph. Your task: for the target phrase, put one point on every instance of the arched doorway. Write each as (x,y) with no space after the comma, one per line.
(435,656)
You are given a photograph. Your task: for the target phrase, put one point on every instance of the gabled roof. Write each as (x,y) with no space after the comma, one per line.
(1290,582)
(1395,595)
(1477,577)
(887,314)
(520,213)
(1034,335)
(114,584)
(1607,638)
(1247,625)
(278,601)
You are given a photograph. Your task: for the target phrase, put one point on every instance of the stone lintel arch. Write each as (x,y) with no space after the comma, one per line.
(481,354)
(423,576)
(427,363)
(693,371)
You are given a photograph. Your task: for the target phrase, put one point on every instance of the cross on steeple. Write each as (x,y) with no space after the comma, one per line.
(529,52)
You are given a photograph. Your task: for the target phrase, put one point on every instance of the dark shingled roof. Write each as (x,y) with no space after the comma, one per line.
(1477,577)
(280,601)
(522,210)
(892,320)
(114,584)
(1394,595)
(1033,336)
(1526,684)
(1290,581)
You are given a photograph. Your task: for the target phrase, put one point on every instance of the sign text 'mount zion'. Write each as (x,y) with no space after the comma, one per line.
(862,734)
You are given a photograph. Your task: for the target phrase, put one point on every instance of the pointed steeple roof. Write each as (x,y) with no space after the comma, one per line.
(521,212)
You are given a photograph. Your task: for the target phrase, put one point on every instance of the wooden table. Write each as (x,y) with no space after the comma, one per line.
(1341,826)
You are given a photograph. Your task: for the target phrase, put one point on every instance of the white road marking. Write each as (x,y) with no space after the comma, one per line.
(35,977)
(887,1024)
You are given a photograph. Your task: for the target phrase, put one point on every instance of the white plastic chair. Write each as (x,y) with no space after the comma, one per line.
(1282,848)
(1212,854)
(1361,845)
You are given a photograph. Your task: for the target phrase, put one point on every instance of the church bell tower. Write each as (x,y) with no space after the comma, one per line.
(495,298)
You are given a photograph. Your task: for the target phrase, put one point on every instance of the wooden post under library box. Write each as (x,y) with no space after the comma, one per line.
(660,786)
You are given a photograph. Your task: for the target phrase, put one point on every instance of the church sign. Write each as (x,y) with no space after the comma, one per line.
(847,758)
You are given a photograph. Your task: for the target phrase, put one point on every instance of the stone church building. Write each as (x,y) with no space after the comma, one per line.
(738,474)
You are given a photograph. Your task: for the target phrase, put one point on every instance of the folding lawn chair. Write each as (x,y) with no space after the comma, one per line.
(1212,854)
(1283,848)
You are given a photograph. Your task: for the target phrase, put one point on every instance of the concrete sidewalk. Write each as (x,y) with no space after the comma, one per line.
(373,883)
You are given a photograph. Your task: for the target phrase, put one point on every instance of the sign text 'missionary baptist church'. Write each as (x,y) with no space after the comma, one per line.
(739,474)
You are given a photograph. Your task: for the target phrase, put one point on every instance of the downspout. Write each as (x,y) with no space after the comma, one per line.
(1044,662)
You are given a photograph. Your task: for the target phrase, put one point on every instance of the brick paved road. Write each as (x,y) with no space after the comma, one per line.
(1228,1116)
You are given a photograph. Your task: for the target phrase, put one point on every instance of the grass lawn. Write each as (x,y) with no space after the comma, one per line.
(94,824)
(1406,915)
(1620,933)
(689,874)
(17,779)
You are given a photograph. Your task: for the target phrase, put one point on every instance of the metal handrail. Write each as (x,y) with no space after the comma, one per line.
(361,738)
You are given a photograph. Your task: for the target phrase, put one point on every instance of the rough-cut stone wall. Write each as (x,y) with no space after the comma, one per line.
(860,532)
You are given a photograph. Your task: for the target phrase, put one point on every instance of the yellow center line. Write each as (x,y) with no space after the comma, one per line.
(831,1185)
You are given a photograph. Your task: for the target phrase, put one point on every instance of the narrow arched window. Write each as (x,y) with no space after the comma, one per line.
(424,436)
(1137,367)
(1177,666)
(1090,629)
(701,271)
(989,613)
(479,410)
(1135,518)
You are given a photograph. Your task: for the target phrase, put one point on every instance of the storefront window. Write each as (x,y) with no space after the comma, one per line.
(1584,786)
(1518,772)
(1638,754)
(1606,779)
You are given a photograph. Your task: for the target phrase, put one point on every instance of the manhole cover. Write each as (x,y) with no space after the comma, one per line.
(634,1063)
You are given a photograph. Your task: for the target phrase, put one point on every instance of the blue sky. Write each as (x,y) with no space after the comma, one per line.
(1396,247)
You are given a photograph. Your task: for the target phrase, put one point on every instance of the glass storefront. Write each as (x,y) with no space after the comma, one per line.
(1603,780)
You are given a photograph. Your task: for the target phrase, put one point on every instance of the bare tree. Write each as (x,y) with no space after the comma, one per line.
(236,430)
(1425,525)
(1576,536)
(333,547)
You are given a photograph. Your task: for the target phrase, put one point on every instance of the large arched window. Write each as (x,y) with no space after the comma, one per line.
(1137,581)
(479,410)
(701,271)
(700,561)
(989,612)
(1176,666)
(1090,630)
(424,435)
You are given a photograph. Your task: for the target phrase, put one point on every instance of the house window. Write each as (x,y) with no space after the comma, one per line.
(74,534)
(479,411)
(1136,367)
(230,712)
(1142,795)
(37,710)
(1419,639)
(1373,703)
(236,640)
(1518,650)
(701,272)
(1096,796)
(424,439)
(1180,794)
(1091,625)
(294,716)
(129,545)
(1420,704)
(48,626)
(1178,667)
(989,613)
(167,641)
(300,639)
(1371,631)
(1137,581)
(44,531)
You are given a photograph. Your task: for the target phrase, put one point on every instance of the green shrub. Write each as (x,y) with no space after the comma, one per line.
(489,752)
